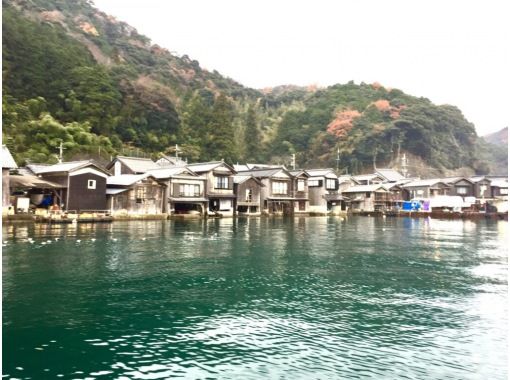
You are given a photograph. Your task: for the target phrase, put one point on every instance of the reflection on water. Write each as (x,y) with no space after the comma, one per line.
(317,297)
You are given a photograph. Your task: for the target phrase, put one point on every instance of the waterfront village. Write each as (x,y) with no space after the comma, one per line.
(140,188)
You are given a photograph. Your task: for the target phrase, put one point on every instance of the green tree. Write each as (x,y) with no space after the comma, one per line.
(252,137)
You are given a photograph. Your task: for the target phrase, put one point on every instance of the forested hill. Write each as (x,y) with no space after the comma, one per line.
(76,75)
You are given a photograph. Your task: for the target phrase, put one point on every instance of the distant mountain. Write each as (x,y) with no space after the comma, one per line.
(498,138)
(76,75)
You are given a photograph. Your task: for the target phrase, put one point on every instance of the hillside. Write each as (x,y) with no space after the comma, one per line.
(498,138)
(75,75)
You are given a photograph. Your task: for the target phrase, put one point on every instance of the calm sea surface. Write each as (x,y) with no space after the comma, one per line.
(258,298)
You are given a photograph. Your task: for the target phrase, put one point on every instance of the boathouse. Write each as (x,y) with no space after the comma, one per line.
(323,190)
(247,189)
(368,198)
(219,186)
(135,194)
(185,190)
(300,191)
(83,184)
(277,192)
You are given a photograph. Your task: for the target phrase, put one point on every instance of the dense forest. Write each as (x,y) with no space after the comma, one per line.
(75,76)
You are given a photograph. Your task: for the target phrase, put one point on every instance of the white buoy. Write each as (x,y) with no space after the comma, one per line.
(114,239)
(78,240)
(144,239)
(93,239)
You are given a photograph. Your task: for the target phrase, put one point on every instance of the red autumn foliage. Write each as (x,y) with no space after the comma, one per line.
(343,122)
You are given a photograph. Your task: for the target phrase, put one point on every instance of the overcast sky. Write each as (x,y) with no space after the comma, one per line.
(454,52)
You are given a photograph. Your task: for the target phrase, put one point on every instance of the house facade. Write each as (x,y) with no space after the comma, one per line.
(300,191)
(135,194)
(248,195)
(185,191)
(426,188)
(324,194)
(83,184)
(219,186)
(368,198)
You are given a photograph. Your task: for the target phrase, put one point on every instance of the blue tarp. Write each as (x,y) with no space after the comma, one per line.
(411,206)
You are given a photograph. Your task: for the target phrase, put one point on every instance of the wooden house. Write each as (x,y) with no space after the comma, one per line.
(482,187)
(460,186)
(323,190)
(135,194)
(368,197)
(130,165)
(219,186)
(8,163)
(426,188)
(277,193)
(83,184)
(248,200)
(30,191)
(300,191)
(185,190)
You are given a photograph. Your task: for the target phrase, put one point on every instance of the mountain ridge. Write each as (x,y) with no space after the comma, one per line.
(132,94)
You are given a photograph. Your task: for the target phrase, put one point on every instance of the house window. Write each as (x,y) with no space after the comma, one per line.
(301,185)
(91,184)
(314,183)
(503,190)
(279,187)
(248,195)
(141,194)
(462,190)
(188,190)
(221,183)
(331,184)
(368,194)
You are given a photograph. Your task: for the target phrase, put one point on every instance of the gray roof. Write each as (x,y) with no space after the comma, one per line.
(390,175)
(32,182)
(366,177)
(137,164)
(202,167)
(320,172)
(171,171)
(264,173)
(424,183)
(298,172)
(64,167)
(238,179)
(7,159)
(365,188)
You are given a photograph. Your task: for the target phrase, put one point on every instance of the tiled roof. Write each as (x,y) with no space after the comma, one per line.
(203,167)
(424,182)
(320,172)
(167,172)
(61,167)
(138,164)
(263,173)
(390,175)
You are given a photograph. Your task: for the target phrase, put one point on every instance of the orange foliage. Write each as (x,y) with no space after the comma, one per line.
(376,85)
(382,105)
(395,111)
(343,122)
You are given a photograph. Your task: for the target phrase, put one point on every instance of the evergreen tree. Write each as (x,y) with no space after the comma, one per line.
(252,137)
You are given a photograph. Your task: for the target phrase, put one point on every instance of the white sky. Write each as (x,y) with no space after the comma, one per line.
(454,52)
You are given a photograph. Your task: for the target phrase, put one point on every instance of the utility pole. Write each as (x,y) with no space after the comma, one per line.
(337,159)
(293,163)
(404,165)
(61,152)
(177,150)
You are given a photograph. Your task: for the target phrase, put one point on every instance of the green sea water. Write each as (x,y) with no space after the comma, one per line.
(256,298)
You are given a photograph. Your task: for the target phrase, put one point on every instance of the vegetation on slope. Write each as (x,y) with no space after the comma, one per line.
(75,75)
